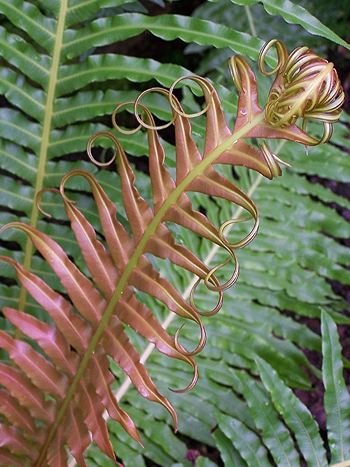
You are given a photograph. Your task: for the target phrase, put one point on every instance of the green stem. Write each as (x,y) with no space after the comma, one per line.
(124,278)
(45,139)
(250,20)
(122,390)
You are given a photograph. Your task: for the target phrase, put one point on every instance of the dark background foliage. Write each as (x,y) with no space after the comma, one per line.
(316,185)
(148,46)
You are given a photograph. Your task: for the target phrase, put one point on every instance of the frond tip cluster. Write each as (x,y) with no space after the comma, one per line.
(64,379)
(306,86)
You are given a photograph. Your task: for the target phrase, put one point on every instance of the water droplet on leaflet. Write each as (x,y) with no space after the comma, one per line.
(306,151)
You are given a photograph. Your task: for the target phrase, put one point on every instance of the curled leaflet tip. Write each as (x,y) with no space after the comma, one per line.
(107,135)
(138,104)
(115,124)
(202,340)
(282,56)
(37,200)
(207,93)
(192,383)
(218,289)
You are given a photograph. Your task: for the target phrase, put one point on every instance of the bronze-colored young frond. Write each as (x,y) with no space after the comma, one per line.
(57,397)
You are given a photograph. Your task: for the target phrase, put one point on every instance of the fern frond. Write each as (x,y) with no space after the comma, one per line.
(245,441)
(336,396)
(255,304)
(92,320)
(273,430)
(296,415)
(297,14)
(36,81)
(167,27)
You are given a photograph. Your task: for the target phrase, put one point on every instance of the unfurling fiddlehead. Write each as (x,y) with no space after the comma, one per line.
(306,87)
(88,322)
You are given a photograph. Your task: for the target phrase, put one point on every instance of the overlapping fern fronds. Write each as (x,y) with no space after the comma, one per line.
(79,384)
(57,134)
(253,321)
(48,82)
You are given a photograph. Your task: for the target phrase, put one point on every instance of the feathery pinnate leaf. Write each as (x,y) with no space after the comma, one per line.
(336,396)
(296,415)
(76,341)
(91,319)
(37,76)
(277,413)
(293,13)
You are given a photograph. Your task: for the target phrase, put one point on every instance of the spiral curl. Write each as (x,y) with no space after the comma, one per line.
(140,111)
(306,86)
(145,120)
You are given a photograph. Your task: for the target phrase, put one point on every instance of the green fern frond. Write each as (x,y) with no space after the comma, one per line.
(52,68)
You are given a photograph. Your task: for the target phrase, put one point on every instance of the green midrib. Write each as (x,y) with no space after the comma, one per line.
(149,23)
(45,140)
(124,278)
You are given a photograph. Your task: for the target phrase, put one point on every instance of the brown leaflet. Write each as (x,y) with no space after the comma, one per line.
(243,154)
(217,129)
(183,214)
(119,242)
(140,318)
(70,324)
(93,417)
(138,213)
(211,183)
(291,133)
(123,352)
(162,183)
(11,438)
(77,435)
(40,371)
(48,337)
(20,387)
(96,257)
(163,245)
(56,453)
(187,154)
(149,280)
(99,371)
(15,413)
(244,78)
